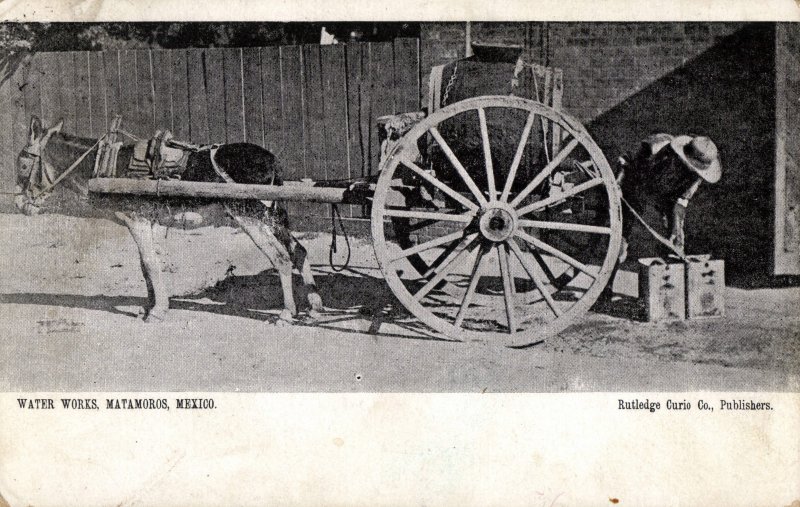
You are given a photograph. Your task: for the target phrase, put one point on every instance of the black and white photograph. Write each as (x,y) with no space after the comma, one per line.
(400,206)
(381,207)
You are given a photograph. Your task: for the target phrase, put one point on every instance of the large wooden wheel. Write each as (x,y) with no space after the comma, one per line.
(496,244)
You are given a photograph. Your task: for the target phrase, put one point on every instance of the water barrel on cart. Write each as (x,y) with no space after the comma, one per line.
(473,77)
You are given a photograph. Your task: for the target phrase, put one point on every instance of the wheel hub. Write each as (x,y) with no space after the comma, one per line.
(498,222)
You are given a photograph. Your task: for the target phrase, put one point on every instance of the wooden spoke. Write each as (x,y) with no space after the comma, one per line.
(459,168)
(473,284)
(589,169)
(526,264)
(550,200)
(544,173)
(446,265)
(512,173)
(487,156)
(438,184)
(545,268)
(425,215)
(434,266)
(428,245)
(555,252)
(565,226)
(545,129)
(416,226)
(508,288)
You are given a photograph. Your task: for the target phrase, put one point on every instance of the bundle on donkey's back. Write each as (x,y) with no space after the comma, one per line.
(44,185)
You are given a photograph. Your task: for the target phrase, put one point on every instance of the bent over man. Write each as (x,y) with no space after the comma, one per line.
(665,173)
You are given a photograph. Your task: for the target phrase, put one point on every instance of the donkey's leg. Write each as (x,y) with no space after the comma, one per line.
(276,252)
(151,293)
(303,265)
(158,299)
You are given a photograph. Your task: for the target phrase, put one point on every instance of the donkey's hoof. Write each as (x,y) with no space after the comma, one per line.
(315,301)
(285,318)
(154,317)
(314,314)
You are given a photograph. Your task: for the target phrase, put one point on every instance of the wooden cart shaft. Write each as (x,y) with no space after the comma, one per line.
(289,191)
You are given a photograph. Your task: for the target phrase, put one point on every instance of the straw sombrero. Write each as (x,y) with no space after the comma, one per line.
(700,155)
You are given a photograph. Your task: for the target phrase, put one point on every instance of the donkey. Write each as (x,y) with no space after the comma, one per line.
(49,151)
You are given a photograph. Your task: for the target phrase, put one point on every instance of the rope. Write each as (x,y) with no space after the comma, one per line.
(335,214)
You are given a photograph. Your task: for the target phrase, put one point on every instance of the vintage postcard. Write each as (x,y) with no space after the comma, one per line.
(288,254)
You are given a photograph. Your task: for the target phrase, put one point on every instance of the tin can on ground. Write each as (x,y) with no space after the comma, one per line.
(705,287)
(662,289)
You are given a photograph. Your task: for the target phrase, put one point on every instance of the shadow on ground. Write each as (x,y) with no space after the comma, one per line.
(360,304)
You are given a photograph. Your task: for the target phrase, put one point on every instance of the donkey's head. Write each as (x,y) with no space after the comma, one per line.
(34,171)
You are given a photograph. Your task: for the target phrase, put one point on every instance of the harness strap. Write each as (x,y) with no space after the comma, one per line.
(69,169)
(212,152)
(220,171)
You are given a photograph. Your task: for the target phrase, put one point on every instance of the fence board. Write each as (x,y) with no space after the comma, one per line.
(358,135)
(251,91)
(31,91)
(97,93)
(215,95)
(406,75)
(49,88)
(382,85)
(356,93)
(8,151)
(314,122)
(144,93)
(127,92)
(198,109)
(21,117)
(234,105)
(162,95)
(292,93)
(314,113)
(179,92)
(272,98)
(66,90)
(335,111)
(292,113)
(83,107)
(113,101)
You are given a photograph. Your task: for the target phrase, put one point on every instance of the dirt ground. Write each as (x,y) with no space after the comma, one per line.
(71,289)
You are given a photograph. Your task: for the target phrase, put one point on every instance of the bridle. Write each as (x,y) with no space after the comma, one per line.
(52,182)
(36,165)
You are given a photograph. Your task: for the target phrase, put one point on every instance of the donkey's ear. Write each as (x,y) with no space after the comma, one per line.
(55,128)
(35,130)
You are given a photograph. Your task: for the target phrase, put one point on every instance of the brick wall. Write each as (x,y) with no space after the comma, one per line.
(627,80)
(603,62)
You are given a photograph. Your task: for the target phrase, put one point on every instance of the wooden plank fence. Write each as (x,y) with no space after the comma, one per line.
(313,106)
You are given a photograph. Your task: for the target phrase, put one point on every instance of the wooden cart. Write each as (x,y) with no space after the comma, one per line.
(495,218)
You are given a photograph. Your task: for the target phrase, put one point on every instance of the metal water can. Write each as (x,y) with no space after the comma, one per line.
(705,287)
(662,289)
